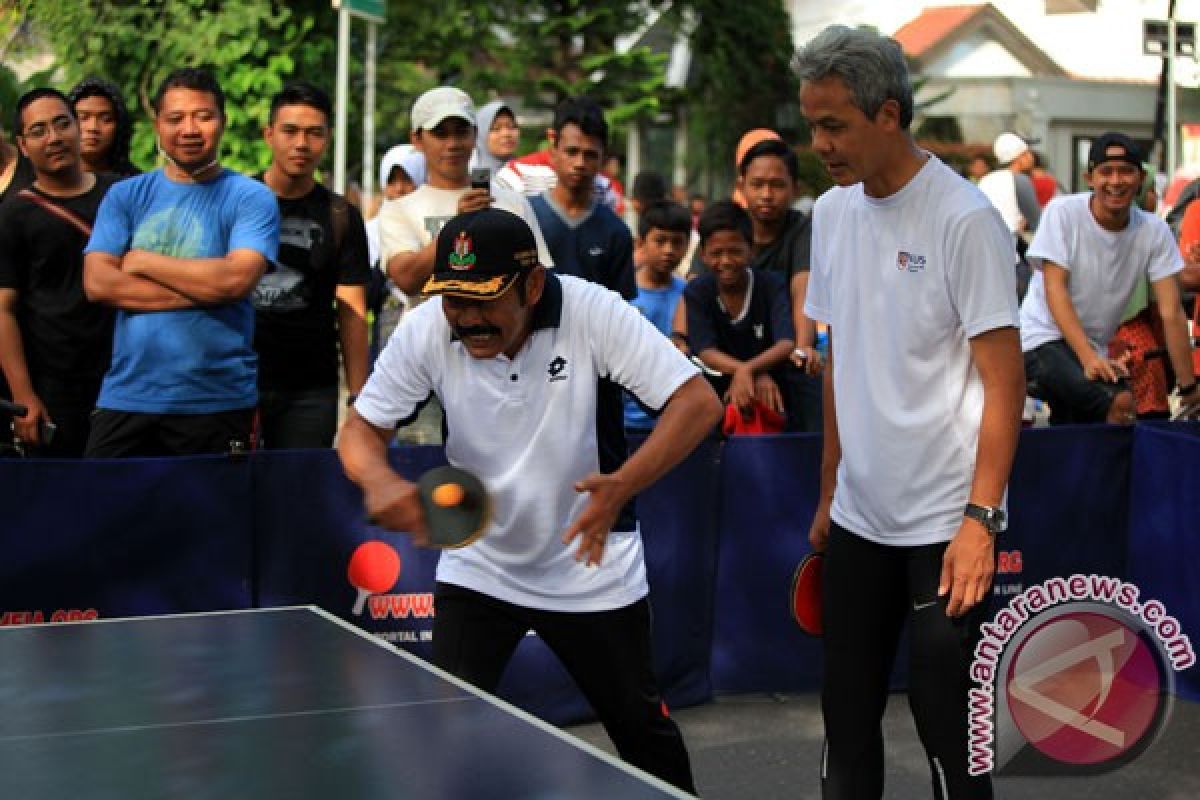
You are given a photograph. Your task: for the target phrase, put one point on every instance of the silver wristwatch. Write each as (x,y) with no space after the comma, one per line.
(993,518)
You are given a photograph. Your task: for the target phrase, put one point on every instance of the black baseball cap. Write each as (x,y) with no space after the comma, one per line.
(480,255)
(1114,146)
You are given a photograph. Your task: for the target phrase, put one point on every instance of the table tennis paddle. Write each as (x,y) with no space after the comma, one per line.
(805,596)
(374,569)
(13,409)
(456,505)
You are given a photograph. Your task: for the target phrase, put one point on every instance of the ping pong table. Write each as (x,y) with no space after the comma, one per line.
(270,703)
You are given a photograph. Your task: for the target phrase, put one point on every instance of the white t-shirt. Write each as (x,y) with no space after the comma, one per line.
(904,282)
(999,186)
(1105,268)
(414,220)
(527,428)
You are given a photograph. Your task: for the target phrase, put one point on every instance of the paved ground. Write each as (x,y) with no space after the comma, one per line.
(763,747)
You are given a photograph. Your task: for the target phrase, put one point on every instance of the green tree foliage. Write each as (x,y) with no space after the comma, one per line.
(535,51)
(743,80)
(253,46)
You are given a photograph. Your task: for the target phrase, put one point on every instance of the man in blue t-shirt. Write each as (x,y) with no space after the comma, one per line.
(178,251)
(585,238)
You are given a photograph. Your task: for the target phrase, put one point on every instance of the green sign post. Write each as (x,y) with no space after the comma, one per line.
(371,10)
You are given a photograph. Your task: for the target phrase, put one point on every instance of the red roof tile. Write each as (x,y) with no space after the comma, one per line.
(933,25)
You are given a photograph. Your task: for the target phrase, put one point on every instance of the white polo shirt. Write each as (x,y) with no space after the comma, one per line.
(904,282)
(530,427)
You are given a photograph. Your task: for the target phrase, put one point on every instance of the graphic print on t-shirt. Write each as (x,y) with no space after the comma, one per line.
(283,288)
(434,225)
(173,232)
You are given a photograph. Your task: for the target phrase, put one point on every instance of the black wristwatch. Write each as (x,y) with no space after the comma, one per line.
(993,518)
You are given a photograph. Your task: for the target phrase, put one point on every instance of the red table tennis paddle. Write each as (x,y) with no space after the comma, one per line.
(374,569)
(456,505)
(806,593)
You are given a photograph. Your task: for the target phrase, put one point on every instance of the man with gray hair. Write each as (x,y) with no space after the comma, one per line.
(912,271)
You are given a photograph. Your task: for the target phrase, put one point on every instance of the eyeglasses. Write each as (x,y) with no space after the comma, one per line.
(40,130)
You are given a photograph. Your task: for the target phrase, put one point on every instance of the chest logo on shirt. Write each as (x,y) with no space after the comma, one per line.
(595,251)
(758,331)
(910,262)
(557,369)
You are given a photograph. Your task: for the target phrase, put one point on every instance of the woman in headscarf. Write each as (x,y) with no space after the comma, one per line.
(497,138)
(104,125)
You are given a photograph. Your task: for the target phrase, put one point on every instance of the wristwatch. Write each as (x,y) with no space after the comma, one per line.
(993,518)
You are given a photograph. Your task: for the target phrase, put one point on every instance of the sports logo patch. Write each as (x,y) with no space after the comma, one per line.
(910,262)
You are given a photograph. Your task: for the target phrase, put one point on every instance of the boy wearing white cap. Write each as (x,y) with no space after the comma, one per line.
(444,130)
(1010,188)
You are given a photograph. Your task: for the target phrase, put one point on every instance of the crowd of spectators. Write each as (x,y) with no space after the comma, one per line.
(192,309)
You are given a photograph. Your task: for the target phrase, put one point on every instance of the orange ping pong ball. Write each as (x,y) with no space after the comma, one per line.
(447,495)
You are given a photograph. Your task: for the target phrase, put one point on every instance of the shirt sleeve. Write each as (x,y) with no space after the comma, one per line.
(702,328)
(1027,201)
(397,232)
(623,279)
(519,205)
(508,180)
(402,380)
(632,352)
(818,303)
(112,232)
(1165,258)
(800,255)
(780,305)
(1050,242)
(354,261)
(1189,229)
(12,259)
(256,226)
(980,273)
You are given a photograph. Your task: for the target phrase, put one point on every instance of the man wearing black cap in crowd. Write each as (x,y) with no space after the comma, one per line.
(515,354)
(1090,251)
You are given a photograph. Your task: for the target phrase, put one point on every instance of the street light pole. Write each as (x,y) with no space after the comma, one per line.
(343,88)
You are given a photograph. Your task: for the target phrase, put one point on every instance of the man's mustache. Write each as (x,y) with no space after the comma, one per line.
(476,330)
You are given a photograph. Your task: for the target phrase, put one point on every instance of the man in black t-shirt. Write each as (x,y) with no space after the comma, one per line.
(782,242)
(54,344)
(314,297)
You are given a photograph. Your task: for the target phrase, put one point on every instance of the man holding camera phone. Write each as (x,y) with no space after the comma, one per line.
(444,130)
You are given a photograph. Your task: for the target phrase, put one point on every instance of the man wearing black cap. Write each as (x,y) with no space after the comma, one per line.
(1090,252)
(515,355)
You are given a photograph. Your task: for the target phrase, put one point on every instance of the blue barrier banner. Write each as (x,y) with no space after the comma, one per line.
(310,521)
(307,539)
(1068,503)
(1164,549)
(768,491)
(723,532)
(769,487)
(85,540)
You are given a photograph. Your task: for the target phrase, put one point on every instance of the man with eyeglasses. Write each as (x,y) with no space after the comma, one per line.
(189,243)
(54,344)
